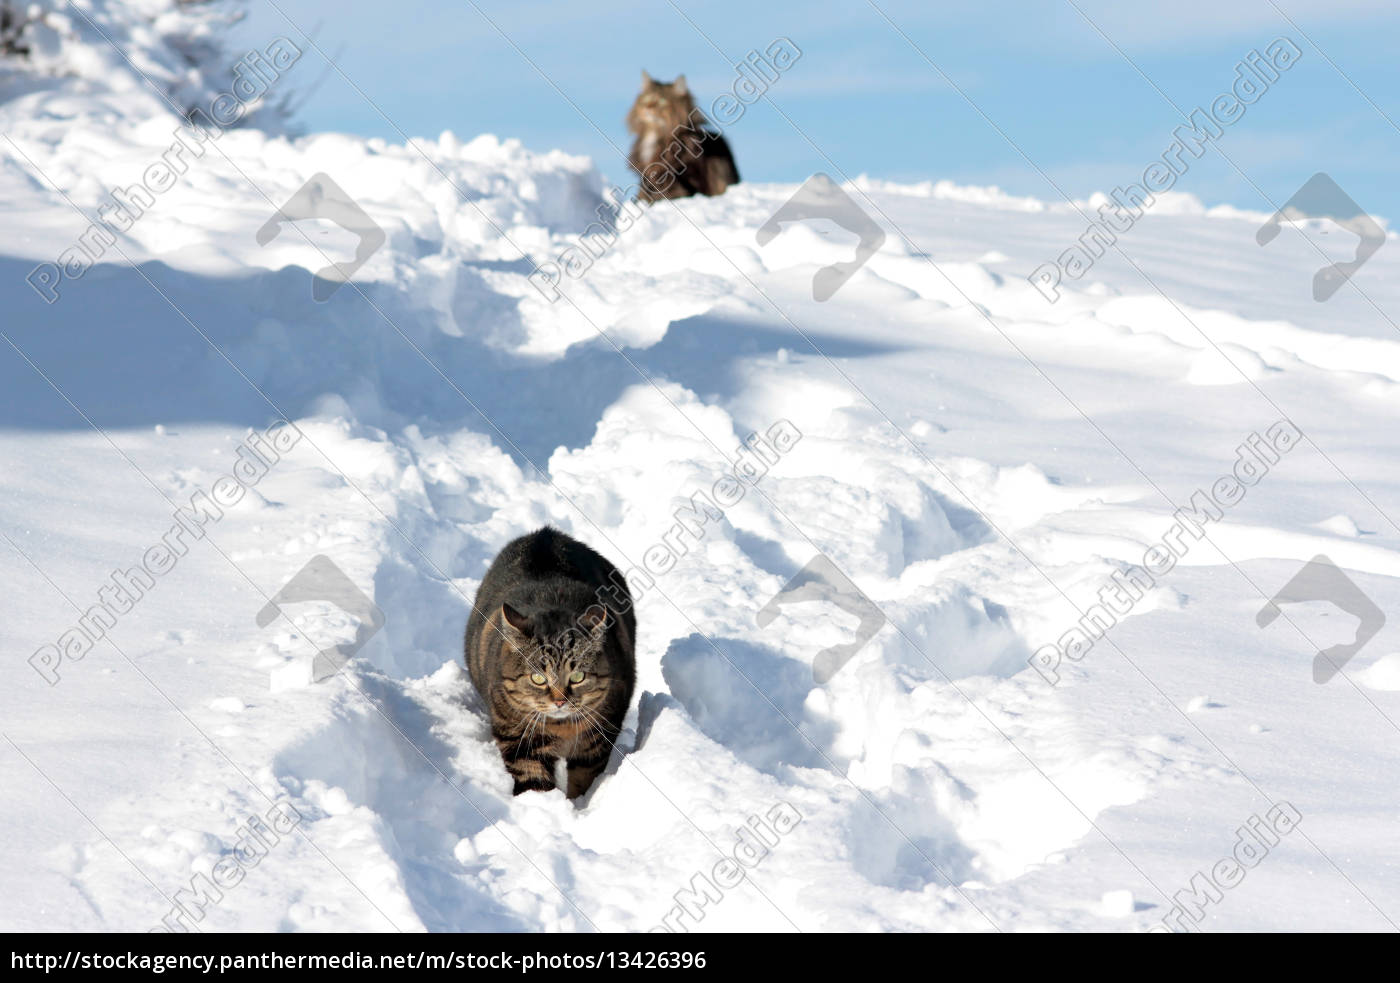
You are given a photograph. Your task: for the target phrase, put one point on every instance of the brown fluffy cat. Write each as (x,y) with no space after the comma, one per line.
(677,153)
(550,649)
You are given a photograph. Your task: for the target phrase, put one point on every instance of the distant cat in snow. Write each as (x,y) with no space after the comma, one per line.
(677,153)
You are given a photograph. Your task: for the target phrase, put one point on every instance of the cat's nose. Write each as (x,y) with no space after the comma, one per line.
(560,703)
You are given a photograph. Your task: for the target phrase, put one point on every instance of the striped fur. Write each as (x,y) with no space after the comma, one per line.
(694,157)
(550,607)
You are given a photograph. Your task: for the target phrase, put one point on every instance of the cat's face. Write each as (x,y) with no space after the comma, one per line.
(554,662)
(662,104)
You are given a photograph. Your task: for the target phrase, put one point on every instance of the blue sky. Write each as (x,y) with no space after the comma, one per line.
(861,99)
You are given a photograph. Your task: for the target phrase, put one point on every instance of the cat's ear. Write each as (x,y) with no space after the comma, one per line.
(515,619)
(594,620)
(678,86)
(646,79)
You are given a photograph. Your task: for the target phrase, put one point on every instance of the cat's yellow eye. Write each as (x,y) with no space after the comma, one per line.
(576,677)
(537,678)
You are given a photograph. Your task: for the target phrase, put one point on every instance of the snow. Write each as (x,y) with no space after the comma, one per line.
(978,463)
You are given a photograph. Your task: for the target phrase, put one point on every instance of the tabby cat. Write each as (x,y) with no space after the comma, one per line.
(550,649)
(677,153)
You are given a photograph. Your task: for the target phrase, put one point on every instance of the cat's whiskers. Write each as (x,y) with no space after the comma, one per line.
(591,718)
(535,718)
